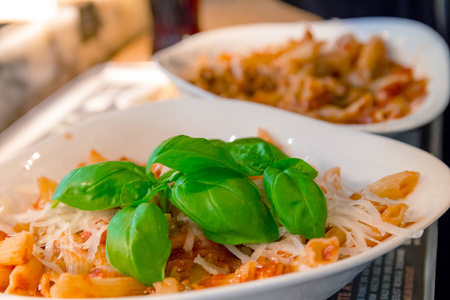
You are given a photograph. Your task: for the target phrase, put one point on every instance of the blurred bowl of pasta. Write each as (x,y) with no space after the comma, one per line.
(378,74)
(422,186)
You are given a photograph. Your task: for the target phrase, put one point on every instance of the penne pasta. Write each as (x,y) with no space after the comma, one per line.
(17,249)
(80,286)
(5,271)
(47,280)
(394,214)
(395,186)
(75,259)
(319,252)
(101,267)
(349,82)
(46,188)
(24,279)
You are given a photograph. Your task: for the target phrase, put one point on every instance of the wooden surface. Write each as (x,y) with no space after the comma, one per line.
(220,13)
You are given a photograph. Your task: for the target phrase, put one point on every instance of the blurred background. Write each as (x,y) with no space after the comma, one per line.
(46,43)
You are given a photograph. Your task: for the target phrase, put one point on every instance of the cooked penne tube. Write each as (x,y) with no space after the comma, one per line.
(319,252)
(47,280)
(16,250)
(395,186)
(75,258)
(372,54)
(80,286)
(5,271)
(24,279)
(394,214)
(46,188)
(269,269)
(101,267)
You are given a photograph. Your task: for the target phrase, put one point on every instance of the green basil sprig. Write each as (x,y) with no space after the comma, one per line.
(254,155)
(106,185)
(137,243)
(226,205)
(209,183)
(187,154)
(298,201)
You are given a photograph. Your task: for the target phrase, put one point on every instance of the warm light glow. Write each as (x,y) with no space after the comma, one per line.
(27,10)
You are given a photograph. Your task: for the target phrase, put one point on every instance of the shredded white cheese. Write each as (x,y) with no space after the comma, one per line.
(212,269)
(358,218)
(50,224)
(238,253)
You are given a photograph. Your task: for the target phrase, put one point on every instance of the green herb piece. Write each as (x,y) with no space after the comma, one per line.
(297,164)
(170,176)
(187,155)
(105,185)
(298,201)
(254,155)
(217,142)
(137,243)
(226,205)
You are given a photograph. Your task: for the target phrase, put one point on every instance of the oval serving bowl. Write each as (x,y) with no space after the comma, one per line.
(410,43)
(137,131)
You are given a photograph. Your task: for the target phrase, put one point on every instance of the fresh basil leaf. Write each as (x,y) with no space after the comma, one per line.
(187,154)
(226,205)
(104,185)
(137,243)
(297,200)
(217,142)
(296,164)
(254,155)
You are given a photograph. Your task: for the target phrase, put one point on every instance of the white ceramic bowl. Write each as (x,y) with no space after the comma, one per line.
(135,132)
(410,43)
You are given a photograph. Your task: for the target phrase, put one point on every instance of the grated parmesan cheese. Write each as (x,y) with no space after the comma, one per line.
(357,218)
(50,224)
(212,269)
(288,243)
(238,253)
